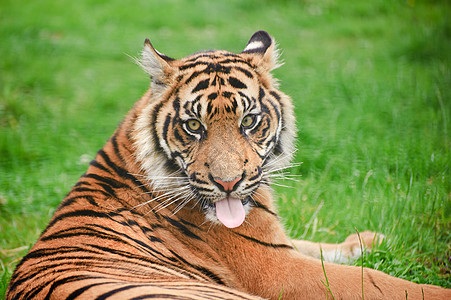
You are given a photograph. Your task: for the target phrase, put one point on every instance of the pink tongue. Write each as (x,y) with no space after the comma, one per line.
(230,211)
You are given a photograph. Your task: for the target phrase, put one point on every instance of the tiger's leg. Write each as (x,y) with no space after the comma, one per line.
(292,275)
(344,252)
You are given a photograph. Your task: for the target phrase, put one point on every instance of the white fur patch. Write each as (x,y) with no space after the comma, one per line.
(254,45)
(150,63)
(337,256)
(152,161)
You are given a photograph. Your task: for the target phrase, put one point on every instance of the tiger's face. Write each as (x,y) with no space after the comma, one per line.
(214,128)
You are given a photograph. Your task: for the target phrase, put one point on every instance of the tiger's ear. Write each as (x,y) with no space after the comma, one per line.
(157,65)
(263,51)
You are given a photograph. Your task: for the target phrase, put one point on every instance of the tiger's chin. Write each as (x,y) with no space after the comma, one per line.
(230,212)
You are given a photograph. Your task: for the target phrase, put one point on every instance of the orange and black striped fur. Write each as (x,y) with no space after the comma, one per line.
(177,204)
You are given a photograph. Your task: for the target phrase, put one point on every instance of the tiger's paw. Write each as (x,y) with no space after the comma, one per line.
(355,243)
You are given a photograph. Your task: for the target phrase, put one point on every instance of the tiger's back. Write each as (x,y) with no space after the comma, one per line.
(177,204)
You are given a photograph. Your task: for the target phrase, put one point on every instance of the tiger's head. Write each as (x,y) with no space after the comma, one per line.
(214,128)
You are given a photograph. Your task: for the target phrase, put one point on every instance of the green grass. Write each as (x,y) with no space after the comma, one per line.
(371,82)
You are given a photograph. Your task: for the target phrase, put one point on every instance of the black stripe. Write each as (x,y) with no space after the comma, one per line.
(81,261)
(194,226)
(172,165)
(202,85)
(367,274)
(179,78)
(71,200)
(275,95)
(259,172)
(209,108)
(160,296)
(55,273)
(80,231)
(229,54)
(176,105)
(261,94)
(108,180)
(68,201)
(210,54)
(263,243)
(213,83)
(252,185)
(92,190)
(181,139)
(116,148)
(189,66)
(78,213)
(258,204)
(152,123)
(234,104)
(193,75)
(217,68)
(281,118)
(246,72)
(57,283)
(98,261)
(139,242)
(278,149)
(268,142)
(174,155)
(203,270)
(122,172)
(210,274)
(227,94)
(167,121)
(276,109)
(197,99)
(204,189)
(245,101)
(122,253)
(194,178)
(16,281)
(264,130)
(182,228)
(81,182)
(212,96)
(236,83)
(81,290)
(115,291)
(205,291)
(145,260)
(96,164)
(47,252)
(237,61)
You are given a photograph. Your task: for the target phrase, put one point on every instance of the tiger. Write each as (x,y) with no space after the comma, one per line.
(178,203)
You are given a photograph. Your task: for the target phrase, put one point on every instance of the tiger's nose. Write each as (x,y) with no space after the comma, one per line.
(228,185)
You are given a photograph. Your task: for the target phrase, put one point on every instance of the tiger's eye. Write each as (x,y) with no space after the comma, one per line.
(193,125)
(248,121)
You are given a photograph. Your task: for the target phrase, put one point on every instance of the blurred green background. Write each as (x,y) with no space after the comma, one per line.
(371,83)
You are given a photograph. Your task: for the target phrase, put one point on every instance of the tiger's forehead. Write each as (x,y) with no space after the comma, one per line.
(215,82)
(216,64)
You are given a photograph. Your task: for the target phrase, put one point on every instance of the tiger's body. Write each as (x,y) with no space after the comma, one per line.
(177,204)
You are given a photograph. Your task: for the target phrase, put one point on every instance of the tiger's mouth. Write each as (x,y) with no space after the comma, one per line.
(229,211)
